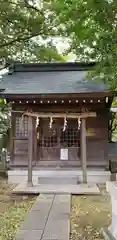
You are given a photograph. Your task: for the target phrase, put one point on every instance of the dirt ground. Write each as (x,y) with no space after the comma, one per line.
(12,211)
(89,215)
(5,200)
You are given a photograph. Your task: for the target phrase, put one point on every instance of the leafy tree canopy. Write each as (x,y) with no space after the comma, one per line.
(26,31)
(91,26)
(27,28)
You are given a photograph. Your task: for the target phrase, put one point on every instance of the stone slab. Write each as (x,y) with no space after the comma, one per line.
(35,220)
(84,189)
(49,218)
(107,234)
(29,235)
(112,188)
(96,175)
(58,224)
(43,203)
(58,180)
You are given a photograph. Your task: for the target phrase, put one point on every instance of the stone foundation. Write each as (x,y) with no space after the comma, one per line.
(58,176)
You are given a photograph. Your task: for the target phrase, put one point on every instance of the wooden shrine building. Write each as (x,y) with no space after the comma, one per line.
(59,118)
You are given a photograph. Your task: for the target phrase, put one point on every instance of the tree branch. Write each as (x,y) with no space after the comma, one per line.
(114,127)
(31,6)
(18,39)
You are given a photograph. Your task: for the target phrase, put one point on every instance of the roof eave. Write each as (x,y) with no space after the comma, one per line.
(57,95)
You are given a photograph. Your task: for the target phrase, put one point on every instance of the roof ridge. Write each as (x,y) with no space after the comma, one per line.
(46,67)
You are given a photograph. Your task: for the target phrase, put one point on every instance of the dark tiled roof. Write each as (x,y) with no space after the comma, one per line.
(49,78)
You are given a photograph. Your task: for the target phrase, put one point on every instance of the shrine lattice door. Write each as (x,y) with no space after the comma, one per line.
(53,142)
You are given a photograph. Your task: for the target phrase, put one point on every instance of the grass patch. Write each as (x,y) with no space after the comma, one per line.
(12,212)
(89,215)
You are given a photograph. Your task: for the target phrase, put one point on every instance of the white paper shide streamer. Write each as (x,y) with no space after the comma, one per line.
(37,122)
(65,124)
(51,121)
(79,123)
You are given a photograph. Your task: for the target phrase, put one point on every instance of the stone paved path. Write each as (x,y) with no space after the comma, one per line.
(49,219)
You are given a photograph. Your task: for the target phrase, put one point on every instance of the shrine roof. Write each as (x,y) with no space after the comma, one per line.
(50,78)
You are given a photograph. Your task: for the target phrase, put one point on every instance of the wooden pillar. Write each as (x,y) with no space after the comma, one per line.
(12,135)
(83,150)
(34,141)
(30,150)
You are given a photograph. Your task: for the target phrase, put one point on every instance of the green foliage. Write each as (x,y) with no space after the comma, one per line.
(113,122)
(5,117)
(5,122)
(91,26)
(26,30)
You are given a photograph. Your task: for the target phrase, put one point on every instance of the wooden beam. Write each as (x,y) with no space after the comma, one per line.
(30,150)
(83,150)
(59,115)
